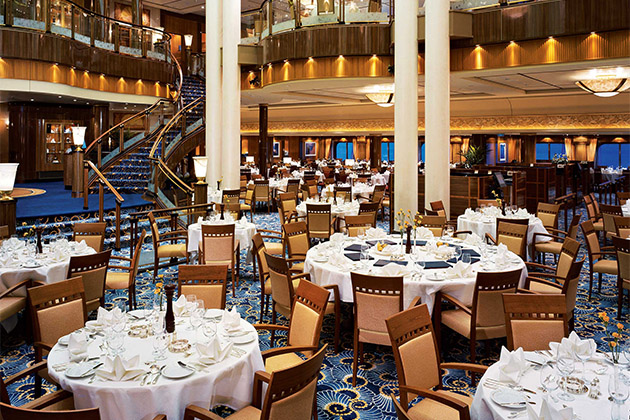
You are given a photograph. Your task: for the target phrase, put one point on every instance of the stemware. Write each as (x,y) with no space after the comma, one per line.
(115,341)
(618,390)
(160,343)
(549,379)
(565,365)
(457,253)
(466,259)
(365,255)
(449,231)
(119,317)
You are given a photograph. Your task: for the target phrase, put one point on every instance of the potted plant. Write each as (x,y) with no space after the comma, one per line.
(474,155)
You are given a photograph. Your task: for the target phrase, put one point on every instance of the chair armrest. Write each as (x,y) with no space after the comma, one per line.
(462,232)
(547,235)
(542,281)
(269,231)
(175,232)
(172,238)
(490,238)
(440,397)
(306,276)
(557,231)
(120,267)
(456,302)
(296,259)
(159,417)
(536,265)
(271,327)
(50,399)
(334,288)
(15,287)
(43,346)
(193,412)
(31,370)
(415,302)
(114,257)
(289,349)
(470,367)
(604,253)
(39,283)
(260,377)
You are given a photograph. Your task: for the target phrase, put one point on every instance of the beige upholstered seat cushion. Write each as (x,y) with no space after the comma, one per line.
(246,207)
(10,306)
(274,248)
(535,286)
(459,321)
(330,308)
(431,410)
(550,247)
(117,280)
(172,250)
(282,361)
(605,266)
(299,267)
(247,413)
(598,225)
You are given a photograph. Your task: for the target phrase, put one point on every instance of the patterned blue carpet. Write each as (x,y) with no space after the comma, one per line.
(337,398)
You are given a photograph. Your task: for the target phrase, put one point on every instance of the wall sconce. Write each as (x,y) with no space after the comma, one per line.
(201,166)
(188,39)
(7,180)
(255,81)
(78,136)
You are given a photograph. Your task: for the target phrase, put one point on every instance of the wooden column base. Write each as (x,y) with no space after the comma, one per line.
(8,214)
(77,174)
(201,192)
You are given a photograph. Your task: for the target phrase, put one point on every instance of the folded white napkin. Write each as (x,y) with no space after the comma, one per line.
(473,239)
(394,270)
(511,365)
(548,412)
(522,214)
(243,221)
(81,246)
(574,346)
(119,369)
(213,352)
(337,238)
(77,346)
(492,211)
(460,271)
(443,251)
(231,320)
(59,254)
(179,306)
(340,261)
(375,233)
(200,220)
(13,243)
(8,261)
(423,233)
(502,251)
(105,318)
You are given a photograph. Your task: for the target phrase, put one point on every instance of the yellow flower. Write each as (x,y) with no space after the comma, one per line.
(613,344)
(620,326)
(158,285)
(616,335)
(606,318)
(23,223)
(160,275)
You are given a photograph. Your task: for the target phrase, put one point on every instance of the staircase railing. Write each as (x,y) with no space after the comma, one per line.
(103,182)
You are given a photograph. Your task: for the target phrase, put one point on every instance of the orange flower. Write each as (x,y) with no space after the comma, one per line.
(620,326)
(616,335)
(613,344)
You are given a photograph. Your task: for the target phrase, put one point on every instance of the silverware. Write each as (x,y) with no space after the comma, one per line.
(157,376)
(184,365)
(496,382)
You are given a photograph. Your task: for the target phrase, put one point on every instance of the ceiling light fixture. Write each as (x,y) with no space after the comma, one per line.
(605,85)
(383,99)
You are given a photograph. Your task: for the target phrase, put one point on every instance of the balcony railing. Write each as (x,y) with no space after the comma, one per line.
(62,17)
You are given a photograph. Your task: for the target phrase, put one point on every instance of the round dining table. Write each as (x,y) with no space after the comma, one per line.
(331,264)
(228,382)
(481,224)
(337,210)
(584,406)
(244,231)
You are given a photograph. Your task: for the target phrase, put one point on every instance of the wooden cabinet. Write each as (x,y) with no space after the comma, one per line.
(55,140)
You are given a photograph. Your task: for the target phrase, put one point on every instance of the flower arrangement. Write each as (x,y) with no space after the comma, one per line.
(405,219)
(559,159)
(497,198)
(29,232)
(613,336)
(219,183)
(159,289)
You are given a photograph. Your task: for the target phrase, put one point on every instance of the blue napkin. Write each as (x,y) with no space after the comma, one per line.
(353,247)
(382,263)
(436,264)
(356,256)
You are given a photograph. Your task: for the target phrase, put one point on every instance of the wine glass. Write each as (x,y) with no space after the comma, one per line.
(457,253)
(466,258)
(449,231)
(618,390)
(549,379)
(119,317)
(209,329)
(365,256)
(191,302)
(566,366)
(115,341)
(160,343)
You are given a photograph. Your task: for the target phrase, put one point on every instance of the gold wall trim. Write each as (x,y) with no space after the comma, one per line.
(473,124)
(49,72)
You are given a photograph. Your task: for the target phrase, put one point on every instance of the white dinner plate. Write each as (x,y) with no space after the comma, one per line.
(214,313)
(509,398)
(243,339)
(93,325)
(176,371)
(31,265)
(80,370)
(320,259)
(64,340)
(434,276)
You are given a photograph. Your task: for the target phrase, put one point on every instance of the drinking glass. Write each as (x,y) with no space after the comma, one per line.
(119,317)
(449,231)
(618,390)
(457,254)
(549,379)
(115,342)
(466,259)
(191,302)
(365,256)
(160,343)
(566,365)
(209,330)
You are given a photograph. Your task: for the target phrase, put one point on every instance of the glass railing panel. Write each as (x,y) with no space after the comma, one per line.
(133,41)
(82,26)
(250,27)
(29,14)
(283,14)
(357,11)
(320,12)
(61,18)
(264,19)
(154,40)
(104,33)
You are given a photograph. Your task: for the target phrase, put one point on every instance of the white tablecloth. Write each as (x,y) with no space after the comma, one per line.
(381,179)
(489,225)
(347,209)
(324,273)
(483,408)
(611,174)
(228,382)
(625,209)
(242,232)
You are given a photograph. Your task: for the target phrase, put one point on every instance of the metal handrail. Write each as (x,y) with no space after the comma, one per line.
(101,198)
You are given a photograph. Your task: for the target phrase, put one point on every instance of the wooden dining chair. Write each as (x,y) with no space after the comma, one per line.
(125,276)
(8,412)
(622,249)
(369,208)
(533,321)
(12,303)
(309,189)
(93,270)
(297,243)
(262,193)
(207,282)
(438,207)
(319,220)
(287,207)
(57,309)
(556,236)
(483,320)
(513,234)
(219,247)
(435,224)
(303,332)
(375,299)
(419,370)
(592,211)
(231,196)
(622,226)
(608,216)
(568,255)
(598,263)
(358,225)
(248,205)
(258,251)
(488,202)
(291,394)
(283,286)
(92,233)
(548,214)
(293,187)
(344,193)
(623,197)
(172,250)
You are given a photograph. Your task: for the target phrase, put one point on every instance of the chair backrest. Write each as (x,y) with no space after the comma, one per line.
(487,308)
(297,238)
(570,285)
(287,204)
(596,205)
(343,192)
(307,315)
(438,207)
(375,299)
(533,321)
(57,309)
(608,215)
(622,226)
(92,233)
(234,209)
(155,231)
(488,202)
(415,350)
(8,412)
(548,214)
(93,270)
(281,285)
(378,194)
(590,208)
(249,194)
(261,193)
(513,234)
(291,392)
(622,248)
(434,223)
(217,244)
(591,239)
(318,219)
(207,282)
(573,227)
(623,197)
(358,225)
(293,186)
(568,255)
(370,208)
(135,263)
(4,232)
(258,250)
(230,196)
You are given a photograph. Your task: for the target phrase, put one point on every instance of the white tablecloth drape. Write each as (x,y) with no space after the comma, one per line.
(244,232)
(347,209)
(228,382)
(489,225)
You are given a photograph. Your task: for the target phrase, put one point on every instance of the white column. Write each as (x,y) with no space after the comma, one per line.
(406,106)
(231,125)
(437,103)
(214,20)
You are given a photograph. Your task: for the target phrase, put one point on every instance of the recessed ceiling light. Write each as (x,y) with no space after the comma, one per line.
(32,99)
(87,103)
(59,96)
(74,100)
(203,7)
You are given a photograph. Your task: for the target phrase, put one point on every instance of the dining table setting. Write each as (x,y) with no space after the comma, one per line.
(433,264)
(571,380)
(126,363)
(244,230)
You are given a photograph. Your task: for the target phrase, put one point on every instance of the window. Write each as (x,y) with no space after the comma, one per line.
(546,151)
(387,151)
(344,150)
(421,157)
(613,154)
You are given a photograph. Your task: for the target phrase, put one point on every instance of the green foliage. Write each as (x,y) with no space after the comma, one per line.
(474,155)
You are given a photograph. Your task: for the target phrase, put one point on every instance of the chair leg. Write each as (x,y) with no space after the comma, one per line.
(599,286)
(233,285)
(273,320)
(619,300)
(355,359)
(337,326)
(473,356)
(590,284)
(156,263)
(262,303)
